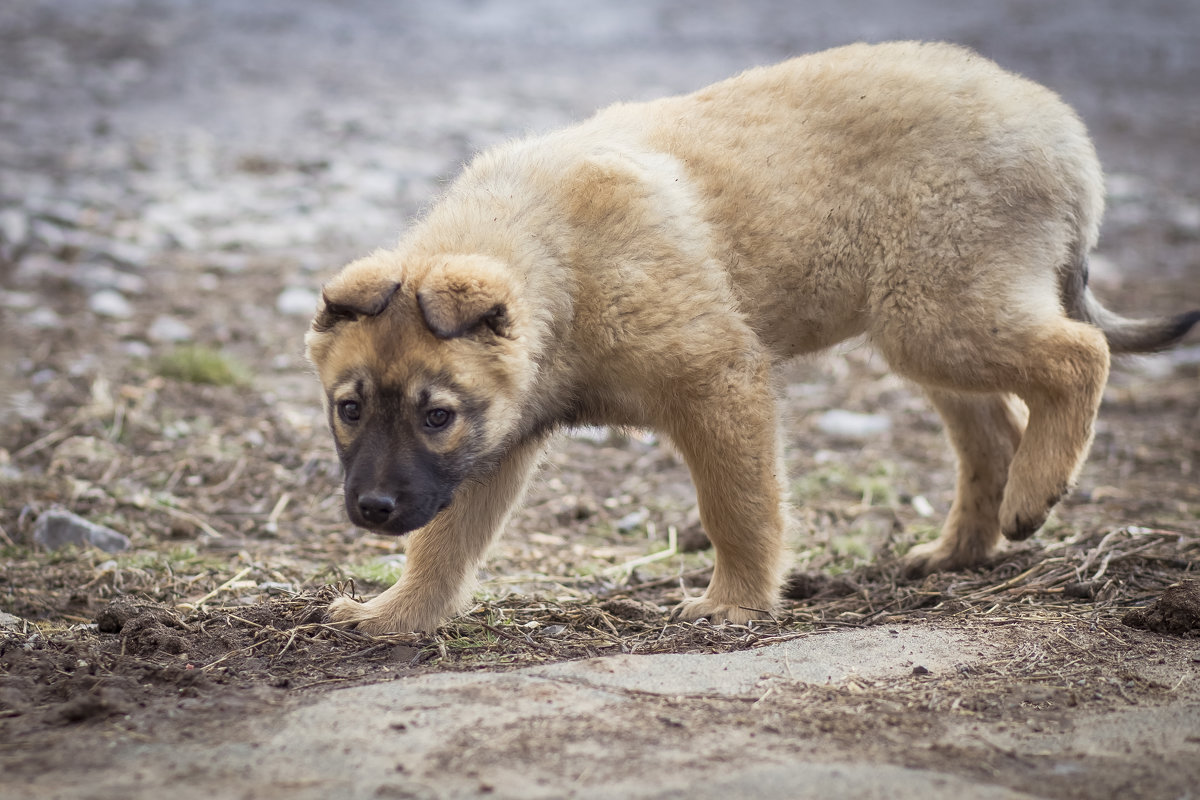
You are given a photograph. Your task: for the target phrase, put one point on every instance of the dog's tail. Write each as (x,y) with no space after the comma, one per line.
(1124,335)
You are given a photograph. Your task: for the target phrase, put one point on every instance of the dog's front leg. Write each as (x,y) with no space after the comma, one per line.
(728,434)
(443,555)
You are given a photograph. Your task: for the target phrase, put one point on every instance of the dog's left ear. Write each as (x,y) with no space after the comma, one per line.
(464,293)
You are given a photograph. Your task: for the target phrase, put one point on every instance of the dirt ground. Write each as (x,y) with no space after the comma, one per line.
(176,180)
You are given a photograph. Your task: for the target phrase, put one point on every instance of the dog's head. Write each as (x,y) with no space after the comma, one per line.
(422,362)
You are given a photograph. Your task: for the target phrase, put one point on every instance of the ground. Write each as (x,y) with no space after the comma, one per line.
(176,180)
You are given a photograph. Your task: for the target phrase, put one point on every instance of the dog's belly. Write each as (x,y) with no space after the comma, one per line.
(795,322)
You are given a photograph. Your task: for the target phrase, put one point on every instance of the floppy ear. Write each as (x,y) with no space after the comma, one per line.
(358,291)
(465,292)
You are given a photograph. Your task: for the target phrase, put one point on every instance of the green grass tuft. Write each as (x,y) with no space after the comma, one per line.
(379,572)
(196,363)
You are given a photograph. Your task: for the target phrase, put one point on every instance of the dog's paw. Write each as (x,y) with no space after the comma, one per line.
(1019,527)
(1023,513)
(942,555)
(366,617)
(716,612)
(926,559)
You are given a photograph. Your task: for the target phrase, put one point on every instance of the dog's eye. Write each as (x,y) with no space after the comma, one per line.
(349,411)
(438,418)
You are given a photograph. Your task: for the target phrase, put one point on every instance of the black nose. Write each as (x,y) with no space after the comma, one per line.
(376,508)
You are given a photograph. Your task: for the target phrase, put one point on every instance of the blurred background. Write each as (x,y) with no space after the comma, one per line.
(218,125)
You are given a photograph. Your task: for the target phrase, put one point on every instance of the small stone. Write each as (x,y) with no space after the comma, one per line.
(10,622)
(633,520)
(14,227)
(36,268)
(110,303)
(27,407)
(1186,220)
(43,377)
(43,319)
(852,425)
(58,528)
(1123,187)
(97,276)
(922,506)
(137,349)
(296,301)
(18,300)
(168,329)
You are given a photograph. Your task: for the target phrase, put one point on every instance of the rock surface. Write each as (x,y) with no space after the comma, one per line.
(58,528)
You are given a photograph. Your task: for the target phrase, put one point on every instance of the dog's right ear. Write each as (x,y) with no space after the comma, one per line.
(358,291)
(337,308)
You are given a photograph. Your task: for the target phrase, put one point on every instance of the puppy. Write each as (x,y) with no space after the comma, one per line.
(652,265)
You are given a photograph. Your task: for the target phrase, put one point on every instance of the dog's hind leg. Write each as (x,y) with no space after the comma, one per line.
(1062,385)
(1057,366)
(443,555)
(985,430)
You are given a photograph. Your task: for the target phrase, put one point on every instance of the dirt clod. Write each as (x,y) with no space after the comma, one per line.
(1081,589)
(125,608)
(693,539)
(146,634)
(1176,612)
(809,585)
(631,609)
(82,708)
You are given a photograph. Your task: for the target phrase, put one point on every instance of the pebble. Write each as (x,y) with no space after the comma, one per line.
(633,520)
(296,301)
(169,329)
(18,300)
(27,406)
(110,303)
(34,268)
(852,425)
(58,528)
(1123,187)
(96,276)
(14,228)
(137,349)
(1186,219)
(922,506)
(42,377)
(43,319)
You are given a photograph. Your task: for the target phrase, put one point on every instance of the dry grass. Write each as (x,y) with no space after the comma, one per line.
(1090,580)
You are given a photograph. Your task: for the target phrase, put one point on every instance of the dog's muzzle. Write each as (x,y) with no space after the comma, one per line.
(385,513)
